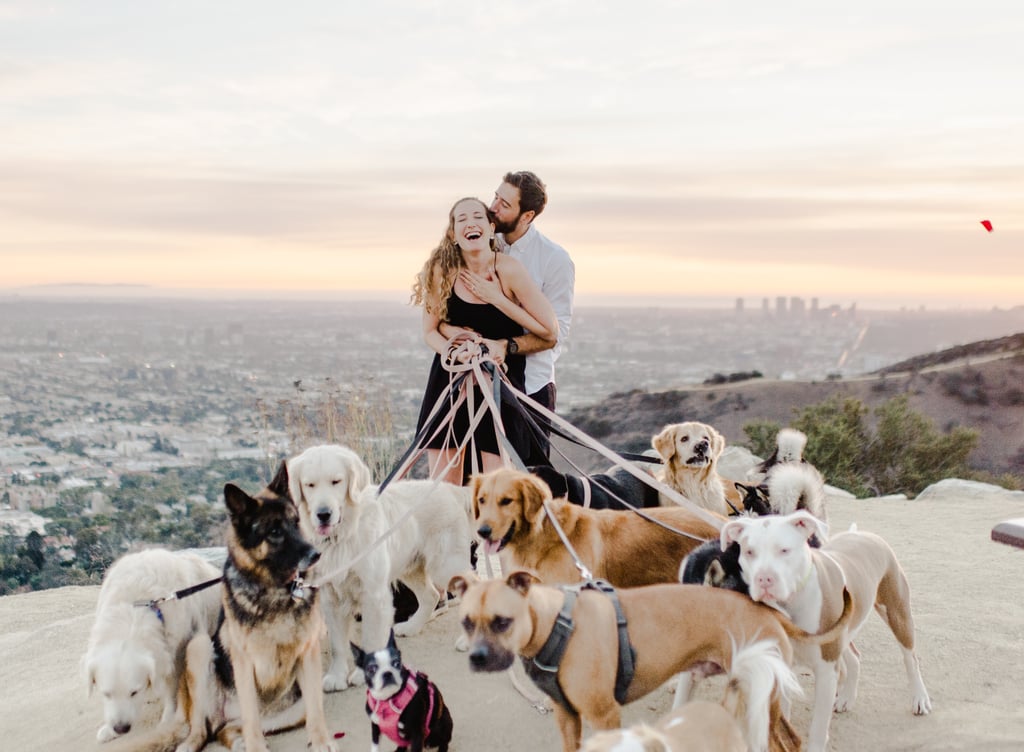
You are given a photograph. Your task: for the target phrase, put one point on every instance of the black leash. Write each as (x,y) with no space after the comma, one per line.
(154,605)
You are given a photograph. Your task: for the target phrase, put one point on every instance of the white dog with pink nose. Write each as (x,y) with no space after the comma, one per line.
(806,583)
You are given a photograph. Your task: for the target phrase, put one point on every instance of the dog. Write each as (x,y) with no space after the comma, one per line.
(690,452)
(342,515)
(783,571)
(674,628)
(405,705)
(789,449)
(621,547)
(135,651)
(615,489)
(710,564)
(793,486)
(260,672)
(757,670)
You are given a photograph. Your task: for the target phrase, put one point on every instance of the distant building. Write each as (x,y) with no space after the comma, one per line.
(739,305)
(796,306)
(780,305)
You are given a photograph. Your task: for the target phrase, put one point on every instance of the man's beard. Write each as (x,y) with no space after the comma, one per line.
(506,227)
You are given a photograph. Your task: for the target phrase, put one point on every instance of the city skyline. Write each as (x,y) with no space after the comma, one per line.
(691,150)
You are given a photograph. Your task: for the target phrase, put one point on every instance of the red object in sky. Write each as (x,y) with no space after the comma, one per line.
(986,224)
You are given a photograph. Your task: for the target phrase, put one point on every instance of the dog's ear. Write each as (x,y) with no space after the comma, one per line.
(533,492)
(475,481)
(89,669)
(715,575)
(665,443)
(358,477)
(521,580)
(295,479)
(279,485)
(717,443)
(461,582)
(236,499)
(392,643)
(807,525)
(732,532)
(358,655)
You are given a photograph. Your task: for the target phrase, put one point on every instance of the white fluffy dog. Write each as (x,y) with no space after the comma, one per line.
(343,516)
(690,451)
(136,651)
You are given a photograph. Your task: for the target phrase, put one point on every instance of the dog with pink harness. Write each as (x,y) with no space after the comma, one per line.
(402,704)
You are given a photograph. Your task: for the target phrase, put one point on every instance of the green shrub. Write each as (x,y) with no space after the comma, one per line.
(761,436)
(904,453)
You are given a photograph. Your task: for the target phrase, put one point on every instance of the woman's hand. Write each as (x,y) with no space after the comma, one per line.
(488,290)
(496,349)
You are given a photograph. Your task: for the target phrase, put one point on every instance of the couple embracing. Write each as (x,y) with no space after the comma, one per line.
(494,279)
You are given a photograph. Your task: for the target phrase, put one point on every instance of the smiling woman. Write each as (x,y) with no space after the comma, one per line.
(470,292)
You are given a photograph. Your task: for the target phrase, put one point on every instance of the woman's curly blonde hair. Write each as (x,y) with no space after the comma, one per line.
(434,283)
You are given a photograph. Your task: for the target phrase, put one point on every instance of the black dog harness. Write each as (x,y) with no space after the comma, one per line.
(543,668)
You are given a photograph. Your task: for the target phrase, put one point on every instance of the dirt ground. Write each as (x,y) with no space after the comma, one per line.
(968,599)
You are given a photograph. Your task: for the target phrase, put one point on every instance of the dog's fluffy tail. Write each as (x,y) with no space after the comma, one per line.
(758,669)
(790,443)
(792,487)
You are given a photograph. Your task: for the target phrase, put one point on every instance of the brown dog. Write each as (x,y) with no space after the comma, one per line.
(618,546)
(673,628)
(691,451)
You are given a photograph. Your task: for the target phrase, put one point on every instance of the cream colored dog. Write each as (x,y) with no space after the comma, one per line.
(342,515)
(690,451)
(673,628)
(135,651)
(757,671)
(805,583)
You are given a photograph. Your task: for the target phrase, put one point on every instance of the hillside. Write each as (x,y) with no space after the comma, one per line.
(978,386)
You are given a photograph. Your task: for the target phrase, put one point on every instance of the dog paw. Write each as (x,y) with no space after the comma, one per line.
(407,629)
(106,733)
(334,683)
(842,704)
(356,677)
(921,705)
(462,644)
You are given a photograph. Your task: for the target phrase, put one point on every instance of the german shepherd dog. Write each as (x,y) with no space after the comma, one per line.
(264,660)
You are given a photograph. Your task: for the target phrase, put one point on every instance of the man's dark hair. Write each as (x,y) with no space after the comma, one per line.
(533,194)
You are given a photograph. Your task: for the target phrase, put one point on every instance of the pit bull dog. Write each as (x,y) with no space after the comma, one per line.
(783,571)
(668,631)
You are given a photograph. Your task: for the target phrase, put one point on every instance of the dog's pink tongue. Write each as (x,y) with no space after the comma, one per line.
(491,547)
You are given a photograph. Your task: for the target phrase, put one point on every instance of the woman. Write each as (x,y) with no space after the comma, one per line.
(469,290)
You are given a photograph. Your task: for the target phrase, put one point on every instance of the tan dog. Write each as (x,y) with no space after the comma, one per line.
(805,583)
(618,546)
(702,726)
(690,451)
(673,628)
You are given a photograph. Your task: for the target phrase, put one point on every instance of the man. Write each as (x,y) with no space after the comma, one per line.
(518,201)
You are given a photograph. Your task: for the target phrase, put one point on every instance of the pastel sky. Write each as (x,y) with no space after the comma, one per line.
(715,148)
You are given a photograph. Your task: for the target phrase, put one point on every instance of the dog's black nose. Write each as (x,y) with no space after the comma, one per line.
(122,728)
(478,657)
(484,531)
(324,515)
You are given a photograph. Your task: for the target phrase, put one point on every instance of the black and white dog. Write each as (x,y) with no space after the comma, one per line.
(616,489)
(403,704)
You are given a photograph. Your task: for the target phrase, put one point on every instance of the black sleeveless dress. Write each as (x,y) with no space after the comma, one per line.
(491,323)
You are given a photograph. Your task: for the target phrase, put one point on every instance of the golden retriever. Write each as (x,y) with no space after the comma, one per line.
(341,513)
(690,451)
(618,546)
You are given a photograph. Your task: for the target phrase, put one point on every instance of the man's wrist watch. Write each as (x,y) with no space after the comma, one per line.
(511,348)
